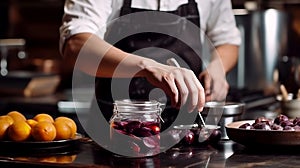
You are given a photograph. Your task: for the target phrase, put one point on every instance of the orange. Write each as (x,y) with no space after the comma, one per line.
(70,122)
(16,116)
(49,159)
(19,131)
(22,158)
(43,131)
(63,130)
(43,117)
(4,125)
(7,118)
(31,122)
(65,159)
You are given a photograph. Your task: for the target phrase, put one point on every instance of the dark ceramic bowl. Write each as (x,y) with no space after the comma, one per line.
(262,138)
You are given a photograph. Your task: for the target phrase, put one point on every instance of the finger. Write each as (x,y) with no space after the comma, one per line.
(193,95)
(173,90)
(183,89)
(199,100)
(207,84)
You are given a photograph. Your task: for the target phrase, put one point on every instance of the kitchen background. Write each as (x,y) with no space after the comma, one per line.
(268,55)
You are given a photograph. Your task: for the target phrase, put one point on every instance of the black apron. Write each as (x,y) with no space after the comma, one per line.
(158,46)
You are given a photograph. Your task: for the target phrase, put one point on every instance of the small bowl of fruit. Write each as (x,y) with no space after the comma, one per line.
(195,135)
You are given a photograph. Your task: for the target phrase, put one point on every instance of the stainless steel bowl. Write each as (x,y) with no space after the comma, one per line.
(223,113)
(291,108)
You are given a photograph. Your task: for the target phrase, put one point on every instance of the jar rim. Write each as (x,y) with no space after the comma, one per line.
(137,102)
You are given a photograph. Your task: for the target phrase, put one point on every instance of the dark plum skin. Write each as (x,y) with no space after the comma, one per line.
(281,122)
(142,132)
(137,128)
(286,123)
(276,127)
(189,137)
(144,136)
(280,118)
(132,125)
(297,128)
(263,119)
(215,136)
(296,121)
(262,126)
(289,128)
(246,126)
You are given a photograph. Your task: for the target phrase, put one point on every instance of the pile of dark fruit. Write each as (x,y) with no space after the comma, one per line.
(196,136)
(281,122)
(143,137)
(137,128)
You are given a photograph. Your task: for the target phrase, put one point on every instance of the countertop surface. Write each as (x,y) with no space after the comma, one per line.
(88,154)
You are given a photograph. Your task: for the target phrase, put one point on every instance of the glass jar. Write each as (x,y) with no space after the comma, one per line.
(139,121)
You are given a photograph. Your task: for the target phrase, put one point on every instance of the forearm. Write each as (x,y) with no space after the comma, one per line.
(179,83)
(101,59)
(223,60)
(228,55)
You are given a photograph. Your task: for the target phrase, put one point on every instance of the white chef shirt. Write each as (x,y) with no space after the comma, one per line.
(92,16)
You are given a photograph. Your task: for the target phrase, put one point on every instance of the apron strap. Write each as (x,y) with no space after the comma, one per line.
(127,3)
(192,9)
(126,8)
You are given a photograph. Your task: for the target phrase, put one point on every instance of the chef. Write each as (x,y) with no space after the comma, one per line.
(134,38)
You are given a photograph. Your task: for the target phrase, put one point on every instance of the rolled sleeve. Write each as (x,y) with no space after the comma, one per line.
(221,25)
(82,17)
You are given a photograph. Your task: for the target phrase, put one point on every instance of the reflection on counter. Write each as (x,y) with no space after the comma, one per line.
(63,159)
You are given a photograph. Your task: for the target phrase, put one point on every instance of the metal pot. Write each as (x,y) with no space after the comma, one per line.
(291,108)
(223,113)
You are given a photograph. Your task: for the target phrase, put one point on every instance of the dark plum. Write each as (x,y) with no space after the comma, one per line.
(296,121)
(149,123)
(281,122)
(289,128)
(280,118)
(143,137)
(155,129)
(297,128)
(246,126)
(262,126)
(119,125)
(154,126)
(189,137)
(276,127)
(263,119)
(142,132)
(286,123)
(215,136)
(132,125)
